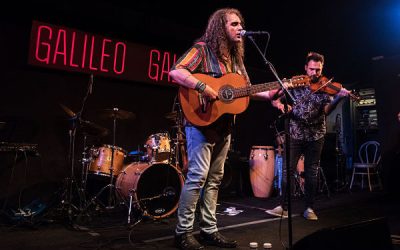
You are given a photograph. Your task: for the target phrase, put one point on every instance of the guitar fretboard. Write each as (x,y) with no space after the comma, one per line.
(253,89)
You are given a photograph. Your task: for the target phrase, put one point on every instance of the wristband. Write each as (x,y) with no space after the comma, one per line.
(200,86)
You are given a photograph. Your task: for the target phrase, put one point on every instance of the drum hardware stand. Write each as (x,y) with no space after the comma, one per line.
(143,210)
(85,168)
(179,144)
(115,114)
(130,207)
(131,203)
(111,186)
(85,163)
(71,182)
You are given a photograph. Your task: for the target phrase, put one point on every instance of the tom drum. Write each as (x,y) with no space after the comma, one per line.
(102,162)
(158,148)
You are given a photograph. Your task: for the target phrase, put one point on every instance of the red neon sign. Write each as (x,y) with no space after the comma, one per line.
(73,50)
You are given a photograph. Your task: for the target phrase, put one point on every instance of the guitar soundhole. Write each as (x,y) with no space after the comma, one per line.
(226,94)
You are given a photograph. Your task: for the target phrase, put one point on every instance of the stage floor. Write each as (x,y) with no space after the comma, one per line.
(365,215)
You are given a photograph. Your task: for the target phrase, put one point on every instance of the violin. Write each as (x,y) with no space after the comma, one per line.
(332,88)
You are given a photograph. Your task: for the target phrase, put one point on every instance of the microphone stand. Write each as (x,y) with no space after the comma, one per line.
(287,140)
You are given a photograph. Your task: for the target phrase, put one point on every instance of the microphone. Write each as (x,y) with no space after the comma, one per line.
(250,33)
(91,84)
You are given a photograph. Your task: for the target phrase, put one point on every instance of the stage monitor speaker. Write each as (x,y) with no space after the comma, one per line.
(367,235)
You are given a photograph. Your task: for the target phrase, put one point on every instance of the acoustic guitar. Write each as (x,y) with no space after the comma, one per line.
(233,96)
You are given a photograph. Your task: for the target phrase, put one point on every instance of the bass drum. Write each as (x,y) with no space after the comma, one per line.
(155,188)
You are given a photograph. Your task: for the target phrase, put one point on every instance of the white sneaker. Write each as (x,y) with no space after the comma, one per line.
(278,212)
(309,214)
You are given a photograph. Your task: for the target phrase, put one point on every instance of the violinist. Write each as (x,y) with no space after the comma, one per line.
(307,127)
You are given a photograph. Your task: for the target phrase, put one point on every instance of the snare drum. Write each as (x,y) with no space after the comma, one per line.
(158,148)
(101,158)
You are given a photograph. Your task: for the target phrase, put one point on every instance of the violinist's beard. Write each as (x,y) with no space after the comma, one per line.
(314,78)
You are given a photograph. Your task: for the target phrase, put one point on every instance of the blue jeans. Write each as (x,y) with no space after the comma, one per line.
(312,154)
(206,157)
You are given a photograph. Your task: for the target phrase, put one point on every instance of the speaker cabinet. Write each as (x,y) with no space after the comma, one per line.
(367,235)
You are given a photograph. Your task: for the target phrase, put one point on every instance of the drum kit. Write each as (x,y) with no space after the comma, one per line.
(150,185)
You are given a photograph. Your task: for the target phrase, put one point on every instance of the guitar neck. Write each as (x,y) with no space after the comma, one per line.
(253,89)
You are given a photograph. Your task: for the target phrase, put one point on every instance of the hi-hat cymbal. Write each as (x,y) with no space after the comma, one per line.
(90,128)
(117,114)
(86,127)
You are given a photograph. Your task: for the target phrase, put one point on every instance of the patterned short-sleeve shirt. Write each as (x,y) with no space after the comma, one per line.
(308,120)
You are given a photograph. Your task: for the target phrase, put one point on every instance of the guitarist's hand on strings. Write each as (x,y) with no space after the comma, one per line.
(206,91)
(210,93)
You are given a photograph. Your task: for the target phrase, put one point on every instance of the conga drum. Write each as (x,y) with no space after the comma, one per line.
(261,163)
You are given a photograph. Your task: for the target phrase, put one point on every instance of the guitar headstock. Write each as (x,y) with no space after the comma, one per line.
(298,81)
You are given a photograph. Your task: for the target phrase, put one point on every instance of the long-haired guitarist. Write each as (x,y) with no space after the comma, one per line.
(219,52)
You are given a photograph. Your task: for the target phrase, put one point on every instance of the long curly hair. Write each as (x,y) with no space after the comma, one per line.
(216,38)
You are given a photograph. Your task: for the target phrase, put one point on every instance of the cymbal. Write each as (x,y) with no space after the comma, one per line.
(117,114)
(90,128)
(67,110)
